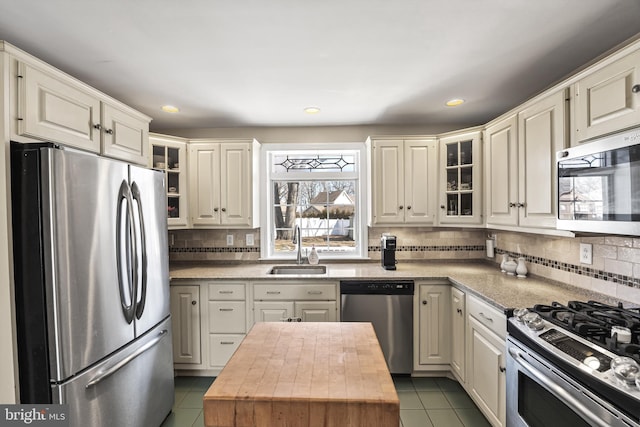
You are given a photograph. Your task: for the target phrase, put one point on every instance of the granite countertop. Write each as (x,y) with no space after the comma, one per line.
(478,278)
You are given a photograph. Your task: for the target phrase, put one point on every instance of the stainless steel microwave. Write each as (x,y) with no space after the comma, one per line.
(599,185)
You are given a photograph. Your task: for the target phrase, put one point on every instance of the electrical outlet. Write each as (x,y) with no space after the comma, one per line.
(586,254)
(229,239)
(249,239)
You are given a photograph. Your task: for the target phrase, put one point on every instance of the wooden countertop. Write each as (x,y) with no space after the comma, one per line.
(305,374)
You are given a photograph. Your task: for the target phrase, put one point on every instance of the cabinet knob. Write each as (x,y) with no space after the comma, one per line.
(97,126)
(215,209)
(194,302)
(459,310)
(442,207)
(424,302)
(109,131)
(408,207)
(512,205)
(502,369)
(635,88)
(401,207)
(521,205)
(298,319)
(223,209)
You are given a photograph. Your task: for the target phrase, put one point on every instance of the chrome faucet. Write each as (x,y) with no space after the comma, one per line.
(297,239)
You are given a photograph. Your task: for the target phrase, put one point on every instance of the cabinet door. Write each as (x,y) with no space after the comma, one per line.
(501,175)
(185,323)
(541,133)
(435,324)
(124,136)
(204,184)
(458,316)
(420,181)
(486,377)
(273,311)
(605,100)
(388,185)
(169,154)
(235,184)
(316,311)
(57,111)
(460,179)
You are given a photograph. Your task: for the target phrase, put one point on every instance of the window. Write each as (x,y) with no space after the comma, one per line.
(319,189)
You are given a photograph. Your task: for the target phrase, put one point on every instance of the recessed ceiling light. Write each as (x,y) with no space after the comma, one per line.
(170,109)
(312,110)
(454,102)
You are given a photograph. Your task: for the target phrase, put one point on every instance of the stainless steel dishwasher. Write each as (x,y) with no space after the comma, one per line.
(388,305)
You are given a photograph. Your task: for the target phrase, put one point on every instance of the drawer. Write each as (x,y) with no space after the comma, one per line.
(489,316)
(222,347)
(227,317)
(294,292)
(226,291)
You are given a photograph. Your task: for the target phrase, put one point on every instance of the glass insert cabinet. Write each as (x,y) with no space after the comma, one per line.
(460,159)
(168,155)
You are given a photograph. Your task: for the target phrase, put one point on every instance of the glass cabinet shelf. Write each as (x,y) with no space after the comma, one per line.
(169,157)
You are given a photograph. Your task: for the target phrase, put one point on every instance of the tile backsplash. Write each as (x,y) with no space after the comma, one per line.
(615,270)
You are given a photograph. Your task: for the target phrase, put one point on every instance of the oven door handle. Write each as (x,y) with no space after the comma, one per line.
(575,404)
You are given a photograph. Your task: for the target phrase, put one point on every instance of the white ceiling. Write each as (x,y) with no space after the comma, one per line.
(233,63)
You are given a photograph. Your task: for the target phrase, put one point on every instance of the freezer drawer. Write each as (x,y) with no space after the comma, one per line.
(132,388)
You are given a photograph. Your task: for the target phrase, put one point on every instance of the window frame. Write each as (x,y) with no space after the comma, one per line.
(267,250)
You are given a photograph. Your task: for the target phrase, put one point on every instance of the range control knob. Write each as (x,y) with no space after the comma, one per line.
(533,321)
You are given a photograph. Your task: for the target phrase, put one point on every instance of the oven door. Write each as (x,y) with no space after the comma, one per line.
(540,396)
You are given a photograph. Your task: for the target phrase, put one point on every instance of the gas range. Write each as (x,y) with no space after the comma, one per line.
(594,344)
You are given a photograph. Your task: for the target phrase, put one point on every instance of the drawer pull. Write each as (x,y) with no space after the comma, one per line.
(225,292)
(227,342)
(273,292)
(314,292)
(226,309)
(484,316)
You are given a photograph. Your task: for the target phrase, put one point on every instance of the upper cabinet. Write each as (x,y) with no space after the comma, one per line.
(169,155)
(54,107)
(520,165)
(404,177)
(222,183)
(460,179)
(608,100)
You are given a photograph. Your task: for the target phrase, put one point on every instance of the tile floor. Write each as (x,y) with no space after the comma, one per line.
(424,402)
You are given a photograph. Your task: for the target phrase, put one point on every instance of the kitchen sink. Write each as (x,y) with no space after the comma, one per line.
(298,269)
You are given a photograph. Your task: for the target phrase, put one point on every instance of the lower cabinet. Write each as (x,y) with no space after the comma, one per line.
(185,324)
(308,302)
(432,323)
(458,317)
(227,320)
(486,364)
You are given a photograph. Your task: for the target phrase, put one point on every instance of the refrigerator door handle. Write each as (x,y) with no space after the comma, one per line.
(141,282)
(123,249)
(115,368)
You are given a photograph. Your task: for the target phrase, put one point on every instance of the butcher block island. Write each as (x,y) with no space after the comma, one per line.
(305,374)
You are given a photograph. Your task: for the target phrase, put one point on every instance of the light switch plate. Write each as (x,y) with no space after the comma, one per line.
(229,239)
(249,239)
(586,253)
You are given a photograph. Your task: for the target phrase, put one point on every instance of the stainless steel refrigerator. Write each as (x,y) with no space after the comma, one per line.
(91,286)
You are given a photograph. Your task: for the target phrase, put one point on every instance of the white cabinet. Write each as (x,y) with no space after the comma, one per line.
(185,323)
(460,178)
(520,165)
(404,177)
(432,312)
(169,155)
(222,183)
(55,107)
(227,320)
(608,100)
(291,302)
(486,379)
(458,320)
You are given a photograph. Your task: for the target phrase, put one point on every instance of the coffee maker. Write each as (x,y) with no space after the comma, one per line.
(388,249)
